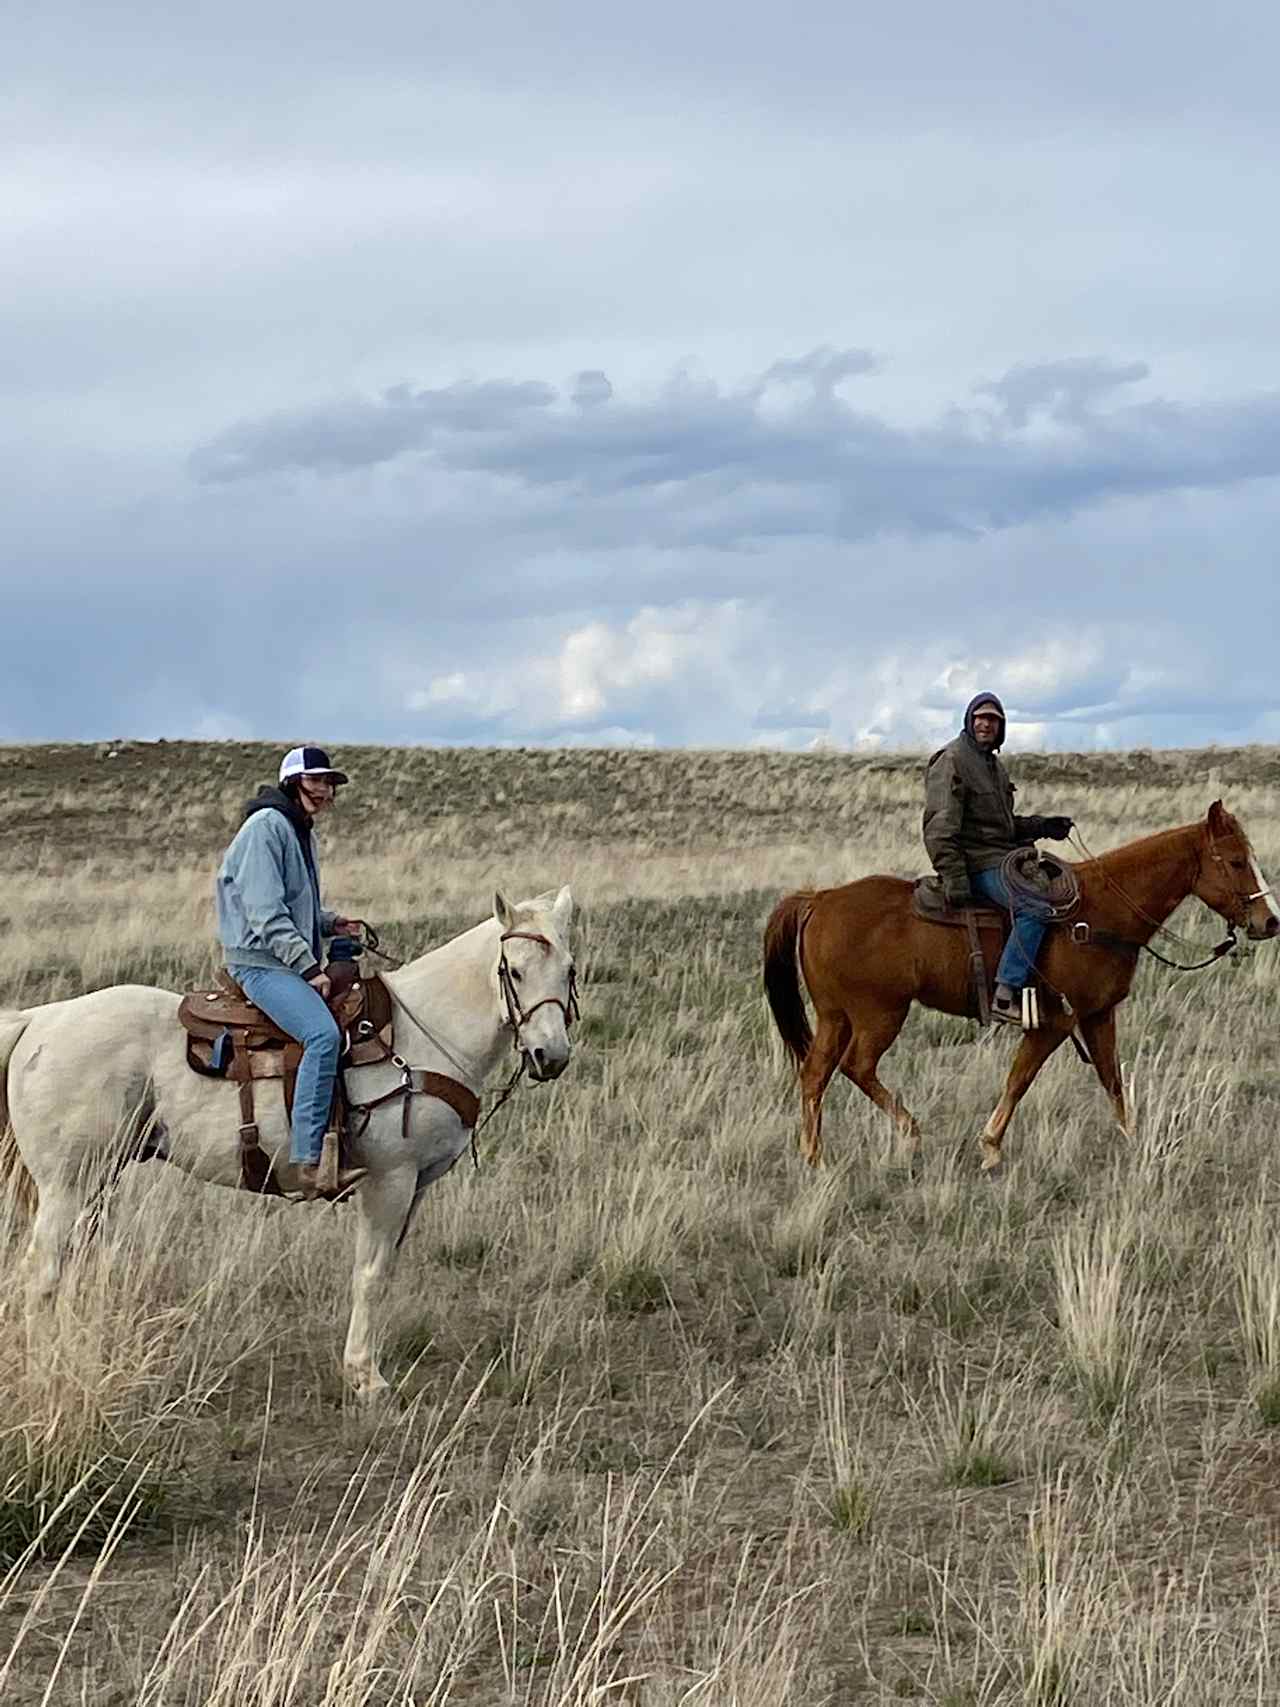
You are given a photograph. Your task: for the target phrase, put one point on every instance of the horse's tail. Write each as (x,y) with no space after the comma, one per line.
(13,1170)
(782,972)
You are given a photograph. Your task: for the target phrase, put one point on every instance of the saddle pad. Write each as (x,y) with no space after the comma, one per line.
(928,902)
(267,1061)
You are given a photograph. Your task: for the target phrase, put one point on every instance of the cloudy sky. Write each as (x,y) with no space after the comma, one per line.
(713,373)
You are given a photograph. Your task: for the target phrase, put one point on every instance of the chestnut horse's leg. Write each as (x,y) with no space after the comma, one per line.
(1034,1050)
(872,1035)
(1099,1032)
(829,1044)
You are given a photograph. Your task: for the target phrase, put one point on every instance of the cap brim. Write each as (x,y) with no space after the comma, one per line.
(333,776)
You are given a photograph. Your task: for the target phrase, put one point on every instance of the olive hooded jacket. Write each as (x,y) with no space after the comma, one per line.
(969,820)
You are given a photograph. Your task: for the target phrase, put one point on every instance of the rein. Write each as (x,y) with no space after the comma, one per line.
(1105,939)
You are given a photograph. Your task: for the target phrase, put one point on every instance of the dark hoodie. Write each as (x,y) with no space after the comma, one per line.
(984,699)
(273,799)
(969,821)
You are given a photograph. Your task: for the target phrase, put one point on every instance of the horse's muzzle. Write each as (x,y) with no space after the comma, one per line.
(544,1065)
(1264,932)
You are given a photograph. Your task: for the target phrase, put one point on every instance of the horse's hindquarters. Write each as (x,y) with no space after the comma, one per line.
(90,1078)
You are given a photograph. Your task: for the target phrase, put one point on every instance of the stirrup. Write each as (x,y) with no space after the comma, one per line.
(327,1171)
(1006,1012)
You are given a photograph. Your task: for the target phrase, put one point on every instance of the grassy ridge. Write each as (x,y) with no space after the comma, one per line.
(674,1410)
(72,798)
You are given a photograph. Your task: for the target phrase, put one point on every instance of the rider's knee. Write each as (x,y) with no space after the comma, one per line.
(322,1035)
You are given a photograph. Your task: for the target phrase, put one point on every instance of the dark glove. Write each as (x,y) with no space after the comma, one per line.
(959,895)
(1058,829)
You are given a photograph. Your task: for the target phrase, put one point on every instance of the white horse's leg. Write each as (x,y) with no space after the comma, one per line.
(55,1224)
(383,1204)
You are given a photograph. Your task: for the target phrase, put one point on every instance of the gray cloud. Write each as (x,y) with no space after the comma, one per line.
(360,434)
(1062,390)
(591,388)
(993,61)
(719,467)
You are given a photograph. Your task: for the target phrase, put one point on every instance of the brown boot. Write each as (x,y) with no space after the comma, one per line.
(310,1188)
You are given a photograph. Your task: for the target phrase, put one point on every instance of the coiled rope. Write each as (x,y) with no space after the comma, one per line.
(1035,879)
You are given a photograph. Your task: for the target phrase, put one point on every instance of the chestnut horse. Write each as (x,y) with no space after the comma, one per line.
(865,957)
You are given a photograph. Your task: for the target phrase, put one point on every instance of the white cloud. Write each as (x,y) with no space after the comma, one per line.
(600,675)
(735,673)
(600,667)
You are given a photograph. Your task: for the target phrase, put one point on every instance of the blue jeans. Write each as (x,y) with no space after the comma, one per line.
(1017,963)
(298,1009)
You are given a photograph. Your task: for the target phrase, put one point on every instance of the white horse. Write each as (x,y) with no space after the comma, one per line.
(92,1083)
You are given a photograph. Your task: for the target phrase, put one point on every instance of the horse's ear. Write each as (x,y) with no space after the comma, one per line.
(503,911)
(1218,819)
(562,911)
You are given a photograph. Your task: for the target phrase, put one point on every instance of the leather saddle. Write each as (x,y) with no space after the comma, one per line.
(928,901)
(258,1046)
(229,1038)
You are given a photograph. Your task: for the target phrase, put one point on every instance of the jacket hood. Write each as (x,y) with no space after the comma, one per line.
(273,799)
(984,699)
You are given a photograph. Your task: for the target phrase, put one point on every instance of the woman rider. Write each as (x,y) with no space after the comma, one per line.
(270,924)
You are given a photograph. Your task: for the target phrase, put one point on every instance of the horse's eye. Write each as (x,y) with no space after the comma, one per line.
(515,976)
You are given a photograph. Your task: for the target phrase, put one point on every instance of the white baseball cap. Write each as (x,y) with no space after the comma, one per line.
(309,761)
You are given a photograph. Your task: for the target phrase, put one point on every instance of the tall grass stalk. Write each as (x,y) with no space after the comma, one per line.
(851,1486)
(1257,1298)
(1101,1316)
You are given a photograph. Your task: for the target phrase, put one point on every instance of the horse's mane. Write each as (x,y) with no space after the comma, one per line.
(1145,848)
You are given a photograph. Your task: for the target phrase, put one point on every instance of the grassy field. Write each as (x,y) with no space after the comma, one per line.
(678,1421)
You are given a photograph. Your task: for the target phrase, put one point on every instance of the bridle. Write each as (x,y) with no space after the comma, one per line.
(1242,902)
(518,1016)
(1083,935)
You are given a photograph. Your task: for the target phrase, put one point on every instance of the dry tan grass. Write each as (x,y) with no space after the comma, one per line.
(679,1422)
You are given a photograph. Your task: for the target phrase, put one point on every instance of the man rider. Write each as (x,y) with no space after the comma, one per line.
(271,925)
(969,827)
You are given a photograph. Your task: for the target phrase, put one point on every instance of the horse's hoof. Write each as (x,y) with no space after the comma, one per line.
(368,1392)
(992,1160)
